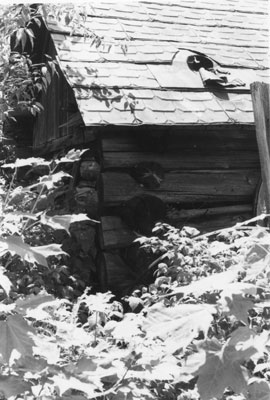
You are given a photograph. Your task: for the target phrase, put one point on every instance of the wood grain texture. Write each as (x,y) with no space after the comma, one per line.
(260,93)
(185,187)
(114,233)
(184,160)
(231,138)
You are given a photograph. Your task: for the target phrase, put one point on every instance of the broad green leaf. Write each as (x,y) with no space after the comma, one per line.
(167,369)
(6,308)
(25,162)
(85,364)
(50,181)
(134,302)
(219,372)
(190,366)
(178,326)
(69,335)
(64,383)
(11,385)
(223,366)
(72,156)
(47,348)
(38,254)
(33,301)
(238,305)
(128,328)
(215,376)
(241,345)
(5,283)
(218,281)
(30,364)
(90,371)
(18,214)
(15,334)
(261,367)
(218,247)
(98,302)
(254,269)
(135,390)
(63,221)
(259,390)
(245,343)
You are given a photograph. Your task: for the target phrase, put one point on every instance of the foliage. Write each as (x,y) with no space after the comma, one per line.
(21,80)
(200,331)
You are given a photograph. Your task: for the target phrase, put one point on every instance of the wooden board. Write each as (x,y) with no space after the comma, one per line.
(184,160)
(119,277)
(209,219)
(181,138)
(210,224)
(261,98)
(213,211)
(114,233)
(185,187)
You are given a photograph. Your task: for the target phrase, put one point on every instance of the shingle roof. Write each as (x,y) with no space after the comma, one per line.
(149,81)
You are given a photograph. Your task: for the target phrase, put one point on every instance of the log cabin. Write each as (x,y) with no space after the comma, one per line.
(160,93)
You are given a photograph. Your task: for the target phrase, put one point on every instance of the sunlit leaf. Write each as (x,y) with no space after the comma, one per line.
(6,308)
(259,390)
(47,348)
(64,383)
(38,254)
(33,301)
(72,156)
(63,221)
(178,326)
(128,328)
(23,162)
(51,180)
(5,283)
(11,385)
(97,302)
(218,281)
(15,334)
(241,345)
(134,302)
(219,372)
(238,305)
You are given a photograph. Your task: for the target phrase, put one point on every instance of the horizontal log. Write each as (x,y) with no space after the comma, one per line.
(182,215)
(114,233)
(185,160)
(211,224)
(185,187)
(183,139)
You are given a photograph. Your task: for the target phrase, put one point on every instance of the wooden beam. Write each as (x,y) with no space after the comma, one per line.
(185,187)
(260,97)
(231,138)
(212,212)
(114,233)
(185,159)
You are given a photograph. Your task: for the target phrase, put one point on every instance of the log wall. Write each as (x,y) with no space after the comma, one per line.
(209,180)
(202,167)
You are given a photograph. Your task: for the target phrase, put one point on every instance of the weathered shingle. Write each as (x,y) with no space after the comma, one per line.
(140,75)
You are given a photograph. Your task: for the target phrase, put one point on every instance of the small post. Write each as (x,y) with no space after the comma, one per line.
(260,94)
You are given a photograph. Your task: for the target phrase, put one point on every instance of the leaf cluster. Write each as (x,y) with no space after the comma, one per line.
(200,331)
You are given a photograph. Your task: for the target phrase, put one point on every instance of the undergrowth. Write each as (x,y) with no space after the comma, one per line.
(199,331)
